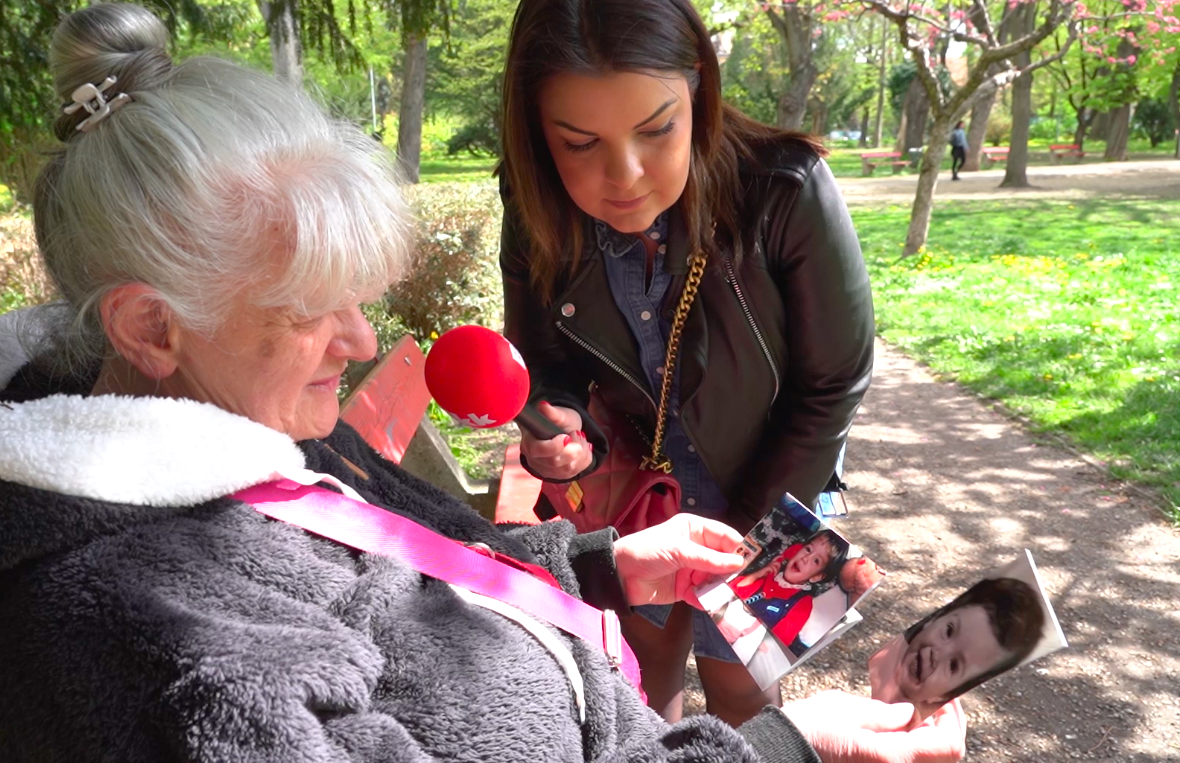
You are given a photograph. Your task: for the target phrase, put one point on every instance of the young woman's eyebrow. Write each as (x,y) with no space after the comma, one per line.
(580,131)
(656,113)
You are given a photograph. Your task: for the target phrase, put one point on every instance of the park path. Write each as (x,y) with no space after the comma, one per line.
(1156,179)
(943,489)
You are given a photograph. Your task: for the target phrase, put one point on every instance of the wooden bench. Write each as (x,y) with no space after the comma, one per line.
(1058,152)
(993,154)
(388,408)
(871,160)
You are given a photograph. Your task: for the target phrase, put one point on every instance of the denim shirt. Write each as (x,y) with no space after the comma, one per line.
(626,262)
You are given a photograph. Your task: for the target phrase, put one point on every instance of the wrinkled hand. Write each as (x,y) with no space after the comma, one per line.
(849,728)
(664,563)
(563,457)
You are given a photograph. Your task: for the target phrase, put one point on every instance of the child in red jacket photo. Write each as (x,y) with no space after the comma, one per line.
(780,593)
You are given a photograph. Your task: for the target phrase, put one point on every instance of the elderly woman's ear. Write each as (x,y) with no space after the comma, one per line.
(142,329)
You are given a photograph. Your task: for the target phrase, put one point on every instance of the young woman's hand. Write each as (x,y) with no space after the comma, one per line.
(563,457)
(850,728)
(664,563)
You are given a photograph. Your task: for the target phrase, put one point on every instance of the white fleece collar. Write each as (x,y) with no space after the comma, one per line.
(146,451)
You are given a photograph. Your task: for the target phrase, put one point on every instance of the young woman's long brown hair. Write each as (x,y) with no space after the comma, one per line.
(592,37)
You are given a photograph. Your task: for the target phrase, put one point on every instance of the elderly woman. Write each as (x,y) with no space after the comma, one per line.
(212,234)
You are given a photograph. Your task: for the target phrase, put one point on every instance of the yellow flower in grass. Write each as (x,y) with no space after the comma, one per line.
(1048,377)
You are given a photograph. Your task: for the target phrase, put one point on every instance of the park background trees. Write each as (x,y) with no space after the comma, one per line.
(867,74)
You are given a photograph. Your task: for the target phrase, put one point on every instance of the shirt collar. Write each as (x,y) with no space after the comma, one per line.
(616,244)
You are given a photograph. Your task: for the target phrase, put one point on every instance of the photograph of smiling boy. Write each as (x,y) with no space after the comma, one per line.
(994,626)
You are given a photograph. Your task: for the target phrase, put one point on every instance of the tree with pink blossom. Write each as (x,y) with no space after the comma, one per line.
(998,55)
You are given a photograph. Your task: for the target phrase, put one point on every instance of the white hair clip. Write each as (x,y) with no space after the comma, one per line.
(89,97)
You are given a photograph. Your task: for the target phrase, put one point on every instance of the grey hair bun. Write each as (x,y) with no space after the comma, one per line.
(118,39)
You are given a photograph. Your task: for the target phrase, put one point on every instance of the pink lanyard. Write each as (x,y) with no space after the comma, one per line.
(370,528)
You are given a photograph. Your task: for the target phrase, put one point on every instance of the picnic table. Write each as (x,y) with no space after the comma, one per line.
(993,154)
(1060,151)
(870,160)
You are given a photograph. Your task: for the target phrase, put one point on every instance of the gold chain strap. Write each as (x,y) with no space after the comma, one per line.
(657,461)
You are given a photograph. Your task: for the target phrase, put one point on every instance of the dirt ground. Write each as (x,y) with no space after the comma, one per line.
(1143,179)
(945,488)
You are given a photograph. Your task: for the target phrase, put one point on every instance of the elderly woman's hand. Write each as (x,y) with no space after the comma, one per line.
(563,457)
(664,563)
(849,728)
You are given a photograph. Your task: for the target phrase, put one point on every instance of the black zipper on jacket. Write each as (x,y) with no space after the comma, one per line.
(602,356)
(757,333)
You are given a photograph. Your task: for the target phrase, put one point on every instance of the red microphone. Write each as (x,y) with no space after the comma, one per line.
(479,378)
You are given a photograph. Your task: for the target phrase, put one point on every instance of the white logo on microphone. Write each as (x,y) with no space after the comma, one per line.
(517,356)
(473,420)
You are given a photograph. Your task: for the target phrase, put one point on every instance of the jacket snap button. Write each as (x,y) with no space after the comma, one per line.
(568,310)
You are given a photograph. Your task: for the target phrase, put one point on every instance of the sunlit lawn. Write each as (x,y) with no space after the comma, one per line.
(456,169)
(1067,313)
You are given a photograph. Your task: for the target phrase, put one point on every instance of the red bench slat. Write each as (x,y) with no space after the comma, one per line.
(519,491)
(388,404)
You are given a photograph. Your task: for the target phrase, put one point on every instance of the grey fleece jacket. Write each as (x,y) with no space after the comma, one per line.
(145,616)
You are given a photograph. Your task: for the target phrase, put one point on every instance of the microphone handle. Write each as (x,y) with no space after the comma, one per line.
(531,420)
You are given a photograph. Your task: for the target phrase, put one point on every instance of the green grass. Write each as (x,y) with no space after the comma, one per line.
(462,169)
(1066,313)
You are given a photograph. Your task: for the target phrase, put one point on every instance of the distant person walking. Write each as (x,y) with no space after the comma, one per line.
(958,149)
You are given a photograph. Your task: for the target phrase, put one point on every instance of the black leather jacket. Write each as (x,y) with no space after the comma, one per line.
(777,353)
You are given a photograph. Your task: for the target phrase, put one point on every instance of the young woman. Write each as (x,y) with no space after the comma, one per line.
(620,162)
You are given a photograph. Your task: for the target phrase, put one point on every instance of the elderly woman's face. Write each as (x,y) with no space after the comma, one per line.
(275,368)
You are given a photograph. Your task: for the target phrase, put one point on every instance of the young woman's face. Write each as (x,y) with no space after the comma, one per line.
(621,143)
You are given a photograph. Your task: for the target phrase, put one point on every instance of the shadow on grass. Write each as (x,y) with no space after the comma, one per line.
(973,229)
(1138,436)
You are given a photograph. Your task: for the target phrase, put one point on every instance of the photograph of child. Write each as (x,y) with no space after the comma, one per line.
(999,623)
(780,594)
(795,561)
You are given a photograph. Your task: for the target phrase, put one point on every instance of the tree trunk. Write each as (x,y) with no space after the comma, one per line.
(927,179)
(916,109)
(792,104)
(1174,104)
(409,121)
(1016,171)
(1085,117)
(977,131)
(864,128)
(286,49)
(901,131)
(878,126)
(1117,133)
(1099,125)
(794,27)
(1023,22)
(1120,118)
